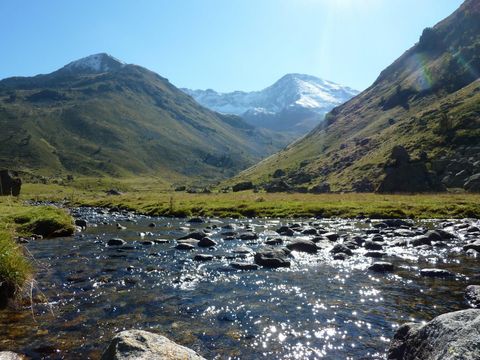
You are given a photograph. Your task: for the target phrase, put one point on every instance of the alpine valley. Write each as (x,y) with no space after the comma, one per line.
(100,117)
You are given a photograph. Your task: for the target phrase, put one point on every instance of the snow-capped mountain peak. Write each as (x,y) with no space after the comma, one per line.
(97,63)
(290,95)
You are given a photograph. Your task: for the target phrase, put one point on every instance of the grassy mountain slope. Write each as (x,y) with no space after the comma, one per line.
(122,122)
(427,100)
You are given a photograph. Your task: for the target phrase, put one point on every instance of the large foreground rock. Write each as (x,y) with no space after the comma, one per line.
(9,355)
(10,184)
(451,336)
(143,345)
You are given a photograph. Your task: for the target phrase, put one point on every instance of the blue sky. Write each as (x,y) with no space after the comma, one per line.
(221,44)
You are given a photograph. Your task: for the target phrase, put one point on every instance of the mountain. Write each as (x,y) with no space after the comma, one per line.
(427,101)
(294,104)
(98,116)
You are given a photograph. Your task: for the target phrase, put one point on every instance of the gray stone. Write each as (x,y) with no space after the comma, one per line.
(420,240)
(81,222)
(475,246)
(371,245)
(472,294)
(184,246)
(341,248)
(249,236)
(272,257)
(116,242)
(303,245)
(340,256)
(203,257)
(275,241)
(207,242)
(442,273)
(244,266)
(246,185)
(451,336)
(143,345)
(198,235)
(375,254)
(332,236)
(381,266)
(9,355)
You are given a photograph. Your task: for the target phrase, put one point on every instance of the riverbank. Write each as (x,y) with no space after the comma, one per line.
(20,220)
(160,202)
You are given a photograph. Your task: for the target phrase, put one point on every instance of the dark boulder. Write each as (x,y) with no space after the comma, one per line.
(272,257)
(249,236)
(277,186)
(322,188)
(198,235)
(473,183)
(438,273)
(245,185)
(472,246)
(10,183)
(285,231)
(405,175)
(278,173)
(274,241)
(196,220)
(244,266)
(184,246)
(203,257)
(363,186)
(303,245)
(81,222)
(207,242)
(451,336)
(472,295)
(381,266)
(116,242)
(371,245)
(341,248)
(420,240)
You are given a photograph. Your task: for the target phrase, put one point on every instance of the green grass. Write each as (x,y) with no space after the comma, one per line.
(159,202)
(15,269)
(18,219)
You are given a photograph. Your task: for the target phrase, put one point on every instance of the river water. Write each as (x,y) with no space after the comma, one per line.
(87,291)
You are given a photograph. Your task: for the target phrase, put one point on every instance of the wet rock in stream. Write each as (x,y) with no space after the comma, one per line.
(139,344)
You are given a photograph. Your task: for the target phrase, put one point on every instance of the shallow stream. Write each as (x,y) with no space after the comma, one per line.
(317,308)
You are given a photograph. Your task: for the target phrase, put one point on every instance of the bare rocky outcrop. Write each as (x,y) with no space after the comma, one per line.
(144,345)
(402,174)
(450,336)
(10,183)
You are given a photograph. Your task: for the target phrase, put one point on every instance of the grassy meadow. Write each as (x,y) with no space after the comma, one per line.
(147,198)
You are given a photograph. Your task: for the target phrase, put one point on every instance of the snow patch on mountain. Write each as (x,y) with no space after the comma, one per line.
(96,63)
(291,91)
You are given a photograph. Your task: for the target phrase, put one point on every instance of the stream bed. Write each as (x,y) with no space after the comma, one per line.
(319,307)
